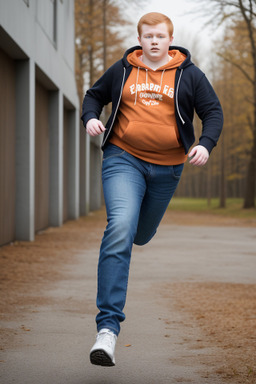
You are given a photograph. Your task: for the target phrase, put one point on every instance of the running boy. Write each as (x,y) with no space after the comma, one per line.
(154,89)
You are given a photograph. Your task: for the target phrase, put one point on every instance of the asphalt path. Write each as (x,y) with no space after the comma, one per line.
(152,346)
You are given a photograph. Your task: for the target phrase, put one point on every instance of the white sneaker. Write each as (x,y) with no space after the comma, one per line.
(102,353)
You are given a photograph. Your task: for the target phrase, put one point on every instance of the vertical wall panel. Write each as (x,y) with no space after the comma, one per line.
(7,149)
(41,159)
(56,158)
(65,164)
(25,150)
(82,174)
(73,164)
(70,164)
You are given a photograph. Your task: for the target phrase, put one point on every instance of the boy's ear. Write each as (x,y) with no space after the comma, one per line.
(139,40)
(171,40)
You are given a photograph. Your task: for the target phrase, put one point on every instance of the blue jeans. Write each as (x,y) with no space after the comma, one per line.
(137,194)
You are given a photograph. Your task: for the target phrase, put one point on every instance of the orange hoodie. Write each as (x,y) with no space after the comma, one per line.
(145,125)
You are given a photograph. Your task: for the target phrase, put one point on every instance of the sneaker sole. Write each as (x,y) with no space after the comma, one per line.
(99,357)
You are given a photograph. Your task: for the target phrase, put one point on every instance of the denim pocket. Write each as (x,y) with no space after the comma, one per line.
(177,170)
(112,151)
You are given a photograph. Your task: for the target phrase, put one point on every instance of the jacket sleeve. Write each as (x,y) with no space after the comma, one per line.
(208,108)
(97,96)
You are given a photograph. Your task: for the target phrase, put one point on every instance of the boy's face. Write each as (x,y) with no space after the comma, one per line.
(155,41)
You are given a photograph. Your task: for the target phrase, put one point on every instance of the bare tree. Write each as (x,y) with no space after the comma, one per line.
(235,12)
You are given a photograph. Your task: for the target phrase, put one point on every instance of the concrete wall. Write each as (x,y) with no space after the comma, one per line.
(31,28)
(38,36)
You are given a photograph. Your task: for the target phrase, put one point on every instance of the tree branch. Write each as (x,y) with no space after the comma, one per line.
(230,61)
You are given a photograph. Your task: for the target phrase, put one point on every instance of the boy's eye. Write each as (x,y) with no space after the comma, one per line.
(150,36)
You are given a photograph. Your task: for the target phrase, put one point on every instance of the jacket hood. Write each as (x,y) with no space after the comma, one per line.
(176,59)
(184,51)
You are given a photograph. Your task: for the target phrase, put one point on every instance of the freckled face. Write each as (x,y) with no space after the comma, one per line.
(155,41)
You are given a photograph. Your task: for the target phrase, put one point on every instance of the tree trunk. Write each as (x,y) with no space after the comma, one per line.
(91,43)
(209,184)
(104,20)
(249,199)
(222,174)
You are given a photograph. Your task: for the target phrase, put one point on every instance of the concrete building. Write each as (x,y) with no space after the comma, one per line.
(44,178)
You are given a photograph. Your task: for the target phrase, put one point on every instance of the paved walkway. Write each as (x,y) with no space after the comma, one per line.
(150,349)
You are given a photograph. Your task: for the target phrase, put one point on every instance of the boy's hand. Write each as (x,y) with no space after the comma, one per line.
(94,127)
(199,155)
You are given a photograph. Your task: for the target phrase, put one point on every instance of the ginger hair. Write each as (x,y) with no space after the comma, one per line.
(154,18)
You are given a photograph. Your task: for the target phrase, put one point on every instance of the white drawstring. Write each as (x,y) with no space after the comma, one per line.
(136,88)
(137,79)
(162,79)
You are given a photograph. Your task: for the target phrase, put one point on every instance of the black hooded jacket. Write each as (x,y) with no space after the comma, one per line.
(193,92)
